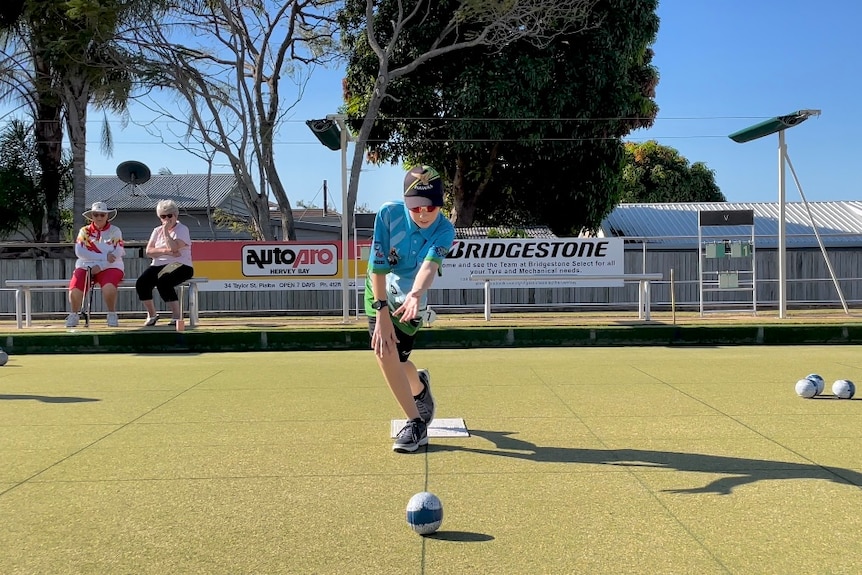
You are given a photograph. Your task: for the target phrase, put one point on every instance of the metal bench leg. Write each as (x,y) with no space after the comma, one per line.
(640,299)
(193,305)
(28,308)
(647,300)
(19,303)
(487,300)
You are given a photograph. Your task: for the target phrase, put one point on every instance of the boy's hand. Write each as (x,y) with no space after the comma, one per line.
(383,340)
(408,310)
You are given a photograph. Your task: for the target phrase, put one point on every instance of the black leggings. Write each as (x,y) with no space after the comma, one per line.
(150,279)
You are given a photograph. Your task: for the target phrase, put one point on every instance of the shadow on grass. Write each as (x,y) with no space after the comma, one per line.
(47,398)
(460,536)
(739,471)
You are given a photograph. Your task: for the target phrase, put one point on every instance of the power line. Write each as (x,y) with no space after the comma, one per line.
(315,143)
(484,119)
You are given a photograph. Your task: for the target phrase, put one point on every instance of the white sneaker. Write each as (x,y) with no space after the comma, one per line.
(113,320)
(72,320)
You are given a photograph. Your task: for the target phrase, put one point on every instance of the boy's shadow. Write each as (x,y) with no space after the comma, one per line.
(739,471)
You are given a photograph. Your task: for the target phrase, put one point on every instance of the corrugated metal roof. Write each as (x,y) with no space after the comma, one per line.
(188,191)
(675,224)
(482,232)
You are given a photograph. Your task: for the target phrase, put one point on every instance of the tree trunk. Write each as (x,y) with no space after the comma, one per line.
(288,229)
(76,125)
(359,151)
(257,204)
(463,202)
(49,148)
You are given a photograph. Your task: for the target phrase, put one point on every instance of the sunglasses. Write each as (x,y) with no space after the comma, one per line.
(427,209)
(166,216)
(99,215)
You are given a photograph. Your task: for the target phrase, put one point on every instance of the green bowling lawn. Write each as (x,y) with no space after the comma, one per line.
(580,460)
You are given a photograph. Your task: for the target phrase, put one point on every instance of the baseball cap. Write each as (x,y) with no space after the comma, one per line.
(423,187)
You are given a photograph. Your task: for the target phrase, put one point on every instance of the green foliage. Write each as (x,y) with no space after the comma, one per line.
(22,201)
(509,233)
(236,225)
(15,189)
(68,58)
(523,135)
(656,173)
(10,11)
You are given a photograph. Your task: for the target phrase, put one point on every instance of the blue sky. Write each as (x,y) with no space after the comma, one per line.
(724,65)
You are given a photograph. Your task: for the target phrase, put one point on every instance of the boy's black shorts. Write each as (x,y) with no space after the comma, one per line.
(405,342)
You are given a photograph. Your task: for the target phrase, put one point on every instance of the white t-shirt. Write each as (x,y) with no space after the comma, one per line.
(179,232)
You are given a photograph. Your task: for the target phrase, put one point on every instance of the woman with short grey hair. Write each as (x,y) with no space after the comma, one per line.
(170,246)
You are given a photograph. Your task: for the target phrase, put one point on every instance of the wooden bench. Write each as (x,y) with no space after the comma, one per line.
(25,288)
(643,281)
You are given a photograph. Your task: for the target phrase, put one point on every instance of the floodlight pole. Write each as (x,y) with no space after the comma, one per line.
(782,229)
(778,124)
(326,131)
(345,284)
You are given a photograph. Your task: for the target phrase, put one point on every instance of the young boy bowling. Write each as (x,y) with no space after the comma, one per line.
(411,238)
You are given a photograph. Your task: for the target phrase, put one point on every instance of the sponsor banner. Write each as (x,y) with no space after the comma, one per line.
(577,257)
(232,265)
(304,260)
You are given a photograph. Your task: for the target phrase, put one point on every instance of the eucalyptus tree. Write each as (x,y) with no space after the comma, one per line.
(403,35)
(525,133)
(226,63)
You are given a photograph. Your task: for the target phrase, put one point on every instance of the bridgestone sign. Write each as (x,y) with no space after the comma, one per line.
(317,265)
(578,257)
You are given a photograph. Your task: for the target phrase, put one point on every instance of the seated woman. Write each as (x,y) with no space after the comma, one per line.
(99,247)
(170,246)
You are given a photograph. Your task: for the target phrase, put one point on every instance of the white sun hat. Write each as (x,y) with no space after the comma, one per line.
(100,208)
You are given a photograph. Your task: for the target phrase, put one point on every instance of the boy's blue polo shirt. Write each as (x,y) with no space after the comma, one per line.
(399,247)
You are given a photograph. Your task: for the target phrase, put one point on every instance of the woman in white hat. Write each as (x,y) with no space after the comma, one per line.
(99,246)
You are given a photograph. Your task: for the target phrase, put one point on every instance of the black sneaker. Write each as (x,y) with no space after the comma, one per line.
(425,401)
(411,437)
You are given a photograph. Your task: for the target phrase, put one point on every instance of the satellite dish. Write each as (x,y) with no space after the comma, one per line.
(133,173)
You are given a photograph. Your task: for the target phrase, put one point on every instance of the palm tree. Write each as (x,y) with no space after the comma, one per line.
(27,77)
(67,58)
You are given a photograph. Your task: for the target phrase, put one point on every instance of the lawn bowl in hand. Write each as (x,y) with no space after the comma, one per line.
(4,357)
(424,513)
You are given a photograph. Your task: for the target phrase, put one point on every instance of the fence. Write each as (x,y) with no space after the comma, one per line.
(808,285)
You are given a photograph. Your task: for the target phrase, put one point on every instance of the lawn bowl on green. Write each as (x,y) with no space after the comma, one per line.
(806,388)
(818,381)
(844,389)
(424,513)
